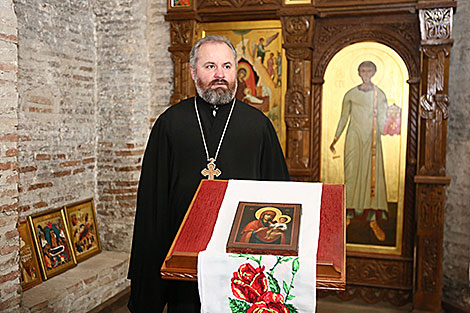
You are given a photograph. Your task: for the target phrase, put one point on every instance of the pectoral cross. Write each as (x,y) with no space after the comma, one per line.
(211,171)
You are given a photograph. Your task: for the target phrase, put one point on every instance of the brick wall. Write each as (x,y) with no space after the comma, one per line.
(79,92)
(133,83)
(9,239)
(457,219)
(56,111)
(91,77)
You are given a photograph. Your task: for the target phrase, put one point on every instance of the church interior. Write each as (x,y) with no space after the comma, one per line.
(83,81)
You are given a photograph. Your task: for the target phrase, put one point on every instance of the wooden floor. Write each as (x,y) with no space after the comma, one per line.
(118,304)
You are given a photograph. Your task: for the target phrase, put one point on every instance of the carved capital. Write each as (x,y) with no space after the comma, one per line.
(297,122)
(295,100)
(297,30)
(298,54)
(436,24)
(180,57)
(182,33)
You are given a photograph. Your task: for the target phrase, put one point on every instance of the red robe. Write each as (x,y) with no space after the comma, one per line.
(261,236)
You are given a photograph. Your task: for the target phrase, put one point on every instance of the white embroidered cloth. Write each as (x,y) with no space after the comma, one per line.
(282,284)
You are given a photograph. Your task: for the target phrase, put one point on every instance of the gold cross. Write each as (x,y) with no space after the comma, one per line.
(211,171)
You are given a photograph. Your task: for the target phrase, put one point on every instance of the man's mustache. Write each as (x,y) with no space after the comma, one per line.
(219,81)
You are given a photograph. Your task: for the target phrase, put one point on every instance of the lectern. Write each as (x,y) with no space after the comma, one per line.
(196,231)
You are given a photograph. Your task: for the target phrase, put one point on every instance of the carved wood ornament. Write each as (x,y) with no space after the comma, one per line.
(421,33)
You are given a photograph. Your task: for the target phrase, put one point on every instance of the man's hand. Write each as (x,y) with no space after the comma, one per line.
(332,146)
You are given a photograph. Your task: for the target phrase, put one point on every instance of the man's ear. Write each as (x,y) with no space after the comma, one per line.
(193,72)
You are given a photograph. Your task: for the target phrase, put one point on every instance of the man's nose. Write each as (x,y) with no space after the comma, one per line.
(219,72)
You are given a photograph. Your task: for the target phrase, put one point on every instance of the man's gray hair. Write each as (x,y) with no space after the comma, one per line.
(211,38)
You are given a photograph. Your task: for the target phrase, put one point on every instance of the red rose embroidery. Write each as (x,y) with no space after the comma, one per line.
(249,283)
(269,303)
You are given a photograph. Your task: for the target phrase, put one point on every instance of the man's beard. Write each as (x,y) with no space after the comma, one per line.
(218,95)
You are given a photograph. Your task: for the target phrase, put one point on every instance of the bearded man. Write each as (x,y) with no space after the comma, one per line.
(210,135)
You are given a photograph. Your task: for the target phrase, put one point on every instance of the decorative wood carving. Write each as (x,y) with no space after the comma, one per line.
(295,100)
(182,38)
(181,34)
(216,4)
(297,157)
(297,30)
(380,272)
(411,159)
(436,23)
(436,27)
(312,35)
(431,197)
(396,297)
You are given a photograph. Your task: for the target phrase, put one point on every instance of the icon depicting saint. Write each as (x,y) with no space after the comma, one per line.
(257,231)
(365,106)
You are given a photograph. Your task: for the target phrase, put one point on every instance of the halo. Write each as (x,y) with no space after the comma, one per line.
(268,208)
(287,217)
(246,68)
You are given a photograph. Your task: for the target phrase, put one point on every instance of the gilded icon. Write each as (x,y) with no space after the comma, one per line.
(265,228)
(29,266)
(52,242)
(260,75)
(364,141)
(81,221)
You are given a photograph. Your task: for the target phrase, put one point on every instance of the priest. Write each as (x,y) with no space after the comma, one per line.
(209,136)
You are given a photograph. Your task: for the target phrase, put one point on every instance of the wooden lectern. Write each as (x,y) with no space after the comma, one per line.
(196,231)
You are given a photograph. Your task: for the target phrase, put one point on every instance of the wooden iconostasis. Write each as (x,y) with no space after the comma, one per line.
(300,63)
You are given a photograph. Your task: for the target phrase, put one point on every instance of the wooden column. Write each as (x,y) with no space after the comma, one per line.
(431,180)
(297,29)
(182,38)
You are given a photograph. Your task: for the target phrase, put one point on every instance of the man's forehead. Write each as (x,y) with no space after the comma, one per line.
(215,51)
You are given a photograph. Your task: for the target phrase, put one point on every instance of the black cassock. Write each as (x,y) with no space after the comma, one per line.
(171,172)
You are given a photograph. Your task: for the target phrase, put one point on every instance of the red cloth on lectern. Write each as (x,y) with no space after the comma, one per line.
(198,227)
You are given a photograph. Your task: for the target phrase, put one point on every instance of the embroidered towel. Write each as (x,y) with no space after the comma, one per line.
(250,283)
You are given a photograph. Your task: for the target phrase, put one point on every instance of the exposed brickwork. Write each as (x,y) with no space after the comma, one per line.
(457,219)
(9,238)
(56,126)
(81,83)
(132,40)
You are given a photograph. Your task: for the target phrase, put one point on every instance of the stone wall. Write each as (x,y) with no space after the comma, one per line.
(457,219)
(9,239)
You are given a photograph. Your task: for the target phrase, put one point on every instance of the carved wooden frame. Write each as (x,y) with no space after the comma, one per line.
(420,32)
(402,35)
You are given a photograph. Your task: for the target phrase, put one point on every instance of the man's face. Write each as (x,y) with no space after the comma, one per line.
(366,73)
(215,73)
